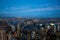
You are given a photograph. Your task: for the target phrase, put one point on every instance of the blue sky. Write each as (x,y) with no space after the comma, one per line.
(30,8)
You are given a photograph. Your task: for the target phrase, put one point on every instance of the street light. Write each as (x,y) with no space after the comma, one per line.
(51,24)
(41,24)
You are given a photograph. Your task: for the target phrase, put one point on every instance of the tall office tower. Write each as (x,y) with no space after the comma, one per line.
(18,30)
(1,34)
(10,36)
(58,26)
(4,35)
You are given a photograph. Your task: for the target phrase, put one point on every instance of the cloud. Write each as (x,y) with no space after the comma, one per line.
(26,9)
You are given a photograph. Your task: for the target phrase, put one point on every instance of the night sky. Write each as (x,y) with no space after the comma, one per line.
(30,8)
